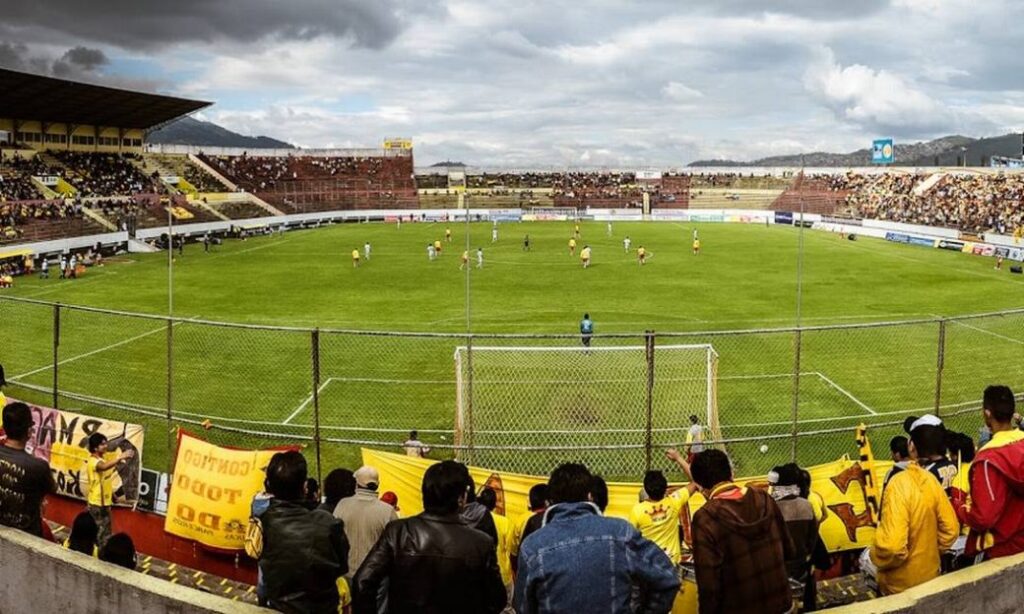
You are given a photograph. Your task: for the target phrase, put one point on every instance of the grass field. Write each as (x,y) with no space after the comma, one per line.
(256,384)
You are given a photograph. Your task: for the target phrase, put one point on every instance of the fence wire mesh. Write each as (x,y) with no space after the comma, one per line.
(518,403)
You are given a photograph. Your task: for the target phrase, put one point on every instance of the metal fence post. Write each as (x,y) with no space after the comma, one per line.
(56,344)
(648,426)
(797,344)
(172,436)
(940,364)
(315,349)
(469,400)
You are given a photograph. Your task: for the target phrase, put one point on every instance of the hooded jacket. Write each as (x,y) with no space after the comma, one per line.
(996,512)
(740,548)
(476,515)
(917,525)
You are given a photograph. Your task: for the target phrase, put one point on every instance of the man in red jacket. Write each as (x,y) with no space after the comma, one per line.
(995,512)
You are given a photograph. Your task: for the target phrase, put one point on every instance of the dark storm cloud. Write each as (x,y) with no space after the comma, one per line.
(74,62)
(147,24)
(78,60)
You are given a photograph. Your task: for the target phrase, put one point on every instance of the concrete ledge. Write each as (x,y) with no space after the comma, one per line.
(38,576)
(994,587)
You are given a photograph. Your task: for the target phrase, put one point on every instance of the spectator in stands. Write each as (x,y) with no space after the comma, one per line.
(917,522)
(599,493)
(391,498)
(364,515)
(312,493)
(83,535)
(538,502)
(24,479)
(740,543)
(304,551)
(995,511)
(657,518)
(433,562)
(3,399)
(414,447)
(581,561)
(475,515)
(339,484)
(900,458)
(800,524)
(944,470)
(489,499)
(101,489)
(120,550)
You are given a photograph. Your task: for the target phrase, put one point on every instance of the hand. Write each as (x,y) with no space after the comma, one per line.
(673,455)
(958,498)
(128,454)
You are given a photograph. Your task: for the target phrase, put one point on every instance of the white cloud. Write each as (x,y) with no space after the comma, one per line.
(678,92)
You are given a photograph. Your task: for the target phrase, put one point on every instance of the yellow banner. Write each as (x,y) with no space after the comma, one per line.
(61,439)
(212,490)
(841,484)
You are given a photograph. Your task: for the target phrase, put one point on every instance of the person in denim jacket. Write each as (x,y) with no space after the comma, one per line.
(581,561)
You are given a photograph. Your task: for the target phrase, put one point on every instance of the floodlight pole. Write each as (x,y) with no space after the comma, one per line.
(799,300)
(465,200)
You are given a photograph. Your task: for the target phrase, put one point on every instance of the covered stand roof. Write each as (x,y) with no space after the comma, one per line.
(33,97)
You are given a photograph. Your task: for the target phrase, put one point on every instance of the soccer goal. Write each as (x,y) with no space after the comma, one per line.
(560,214)
(526,408)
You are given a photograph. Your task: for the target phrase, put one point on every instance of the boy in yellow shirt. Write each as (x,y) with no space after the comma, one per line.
(657,518)
(101,488)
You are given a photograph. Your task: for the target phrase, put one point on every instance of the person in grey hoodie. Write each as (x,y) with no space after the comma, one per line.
(476,515)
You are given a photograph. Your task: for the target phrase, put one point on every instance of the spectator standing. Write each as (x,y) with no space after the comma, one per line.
(995,511)
(120,550)
(3,399)
(101,489)
(581,561)
(475,515)
(740,544)
(339,484)
(489,499)
(304,551)
(433,563)
(917,522)
(657,518)
(800,524)
(599,493)
(414,447)
(538,502)
(312,493)
(364,515)
(24,479)
(898,448)
(83,535)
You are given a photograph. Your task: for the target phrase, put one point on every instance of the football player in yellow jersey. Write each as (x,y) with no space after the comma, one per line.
(696,246)
(465,259)
(585,256)
(641,255)
(572,247)
(355,258)
(576,230)
(437,247)
(448,235)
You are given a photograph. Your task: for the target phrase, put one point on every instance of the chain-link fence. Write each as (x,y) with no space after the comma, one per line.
(519,403)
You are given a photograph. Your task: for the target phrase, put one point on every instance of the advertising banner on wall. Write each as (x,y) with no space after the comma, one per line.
(784,217)
(883,151)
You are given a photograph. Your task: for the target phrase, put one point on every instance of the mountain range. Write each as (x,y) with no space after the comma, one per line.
(191,131)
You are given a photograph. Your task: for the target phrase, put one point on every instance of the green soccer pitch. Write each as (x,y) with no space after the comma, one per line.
(255,385)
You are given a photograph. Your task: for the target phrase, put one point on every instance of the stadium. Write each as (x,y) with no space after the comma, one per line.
(335,300)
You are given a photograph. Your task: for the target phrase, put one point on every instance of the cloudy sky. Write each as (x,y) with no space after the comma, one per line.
(553,82)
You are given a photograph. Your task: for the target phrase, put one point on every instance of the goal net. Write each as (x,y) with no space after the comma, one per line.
(616,408)
(559,214)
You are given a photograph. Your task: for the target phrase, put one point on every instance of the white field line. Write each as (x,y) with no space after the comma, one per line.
(988,332)
(97,351)
(305,404)
(845,393)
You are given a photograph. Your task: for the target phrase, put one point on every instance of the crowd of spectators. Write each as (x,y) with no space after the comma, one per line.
(752,549)
(99,174)
(14,215)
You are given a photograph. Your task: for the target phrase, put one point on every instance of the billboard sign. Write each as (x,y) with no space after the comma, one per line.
(883,152)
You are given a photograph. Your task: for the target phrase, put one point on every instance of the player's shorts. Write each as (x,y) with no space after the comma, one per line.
(586,339)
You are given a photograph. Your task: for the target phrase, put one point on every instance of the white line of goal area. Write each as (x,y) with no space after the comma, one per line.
(105,348)
(987,332)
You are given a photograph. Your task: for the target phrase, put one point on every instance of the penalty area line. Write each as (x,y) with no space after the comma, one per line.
(846,393)
(305,404)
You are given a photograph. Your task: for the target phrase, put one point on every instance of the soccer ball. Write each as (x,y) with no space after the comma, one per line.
(764,448)
(443,438)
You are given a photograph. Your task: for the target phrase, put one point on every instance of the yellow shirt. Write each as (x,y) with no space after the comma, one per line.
(585,254)
(572,242)
(696,244)
(101,490)
(658,521)
(437,245)
(504,527)
(355,254)
(641,252)
(818,505)
(517,533)
(465,256)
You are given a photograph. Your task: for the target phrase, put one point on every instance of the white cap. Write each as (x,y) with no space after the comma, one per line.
(926,420)
(367,477)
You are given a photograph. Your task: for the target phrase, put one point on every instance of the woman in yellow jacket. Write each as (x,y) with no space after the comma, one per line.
(918,524)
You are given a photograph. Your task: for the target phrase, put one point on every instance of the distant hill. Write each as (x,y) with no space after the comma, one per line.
(191,131)
(448,164)
(945,151)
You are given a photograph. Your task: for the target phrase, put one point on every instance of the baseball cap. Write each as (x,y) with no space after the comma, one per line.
(784,475)
(925,420)
(367,477)
(390,498)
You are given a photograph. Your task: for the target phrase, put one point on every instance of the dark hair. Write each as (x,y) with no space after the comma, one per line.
(312,489)
(3,378)
(805,482)
(286,475)
(898,445)
(17,421)
(908,422)
(488,498)
(599,492)
(694,419)
(413,435)
(929,440)
(960,447)
(711,467)
(570,483)
(538,496)
(119,550)
(586,316)
(999,401)
(83,534)
(444,484)
(339,484)
(95,441)
(655,485)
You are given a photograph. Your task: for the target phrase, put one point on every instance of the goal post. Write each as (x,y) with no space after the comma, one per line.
(526,408)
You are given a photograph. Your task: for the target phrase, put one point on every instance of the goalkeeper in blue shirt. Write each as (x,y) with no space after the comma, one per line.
(586,329)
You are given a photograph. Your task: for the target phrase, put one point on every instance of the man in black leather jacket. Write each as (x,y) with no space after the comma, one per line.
(304,551)
(433,562)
